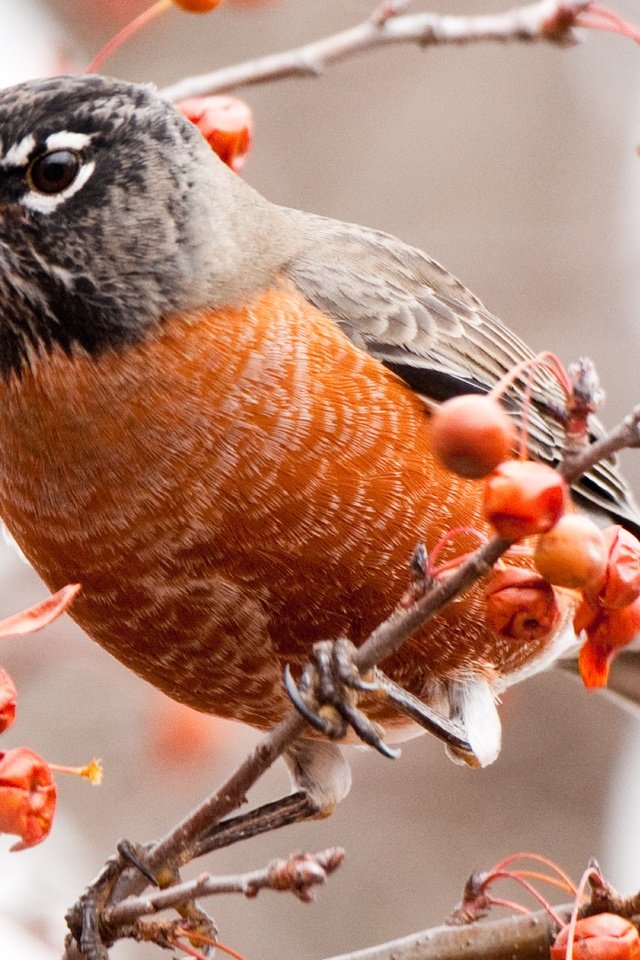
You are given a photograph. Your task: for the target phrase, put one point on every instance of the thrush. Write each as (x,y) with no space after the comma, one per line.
(215,414)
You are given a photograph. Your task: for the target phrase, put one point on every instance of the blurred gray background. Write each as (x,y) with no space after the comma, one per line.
(515,166)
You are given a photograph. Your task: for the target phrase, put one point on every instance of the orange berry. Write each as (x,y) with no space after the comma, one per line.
(522,498)
(604,936)
(573,553)
(471,435)
(197,6)
(520,605)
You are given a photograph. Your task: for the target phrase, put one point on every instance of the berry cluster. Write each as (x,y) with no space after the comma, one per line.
(473,437)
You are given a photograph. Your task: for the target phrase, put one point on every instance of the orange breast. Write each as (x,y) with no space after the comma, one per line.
(244,483)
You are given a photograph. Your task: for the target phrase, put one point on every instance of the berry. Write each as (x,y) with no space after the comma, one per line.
(522,498)
(573,553)
(520,605)
(471,435)
(604,936)
(226,123)
(197,6)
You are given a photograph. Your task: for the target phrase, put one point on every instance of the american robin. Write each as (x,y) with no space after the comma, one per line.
(215,415)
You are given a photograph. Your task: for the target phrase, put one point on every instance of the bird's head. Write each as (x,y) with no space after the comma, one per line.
(114,213)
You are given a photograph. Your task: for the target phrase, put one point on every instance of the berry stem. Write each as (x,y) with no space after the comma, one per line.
(600,18)
(508,875)
(443,541)
(136,24)
(509,905)
(531,367)
(537,858)
(589,873)
(209,941)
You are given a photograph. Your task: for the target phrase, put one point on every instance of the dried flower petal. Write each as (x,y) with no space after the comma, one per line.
(622,578)
(41,615)
(608,631)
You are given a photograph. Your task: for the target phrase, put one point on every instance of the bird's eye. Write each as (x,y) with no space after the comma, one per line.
(55,171)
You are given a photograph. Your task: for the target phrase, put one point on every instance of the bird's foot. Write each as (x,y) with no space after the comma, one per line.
(84,917)
(329,688)
(327,694)
(451,730)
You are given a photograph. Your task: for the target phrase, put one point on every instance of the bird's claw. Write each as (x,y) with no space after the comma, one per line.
(447,729)
(134,855)
(327,691)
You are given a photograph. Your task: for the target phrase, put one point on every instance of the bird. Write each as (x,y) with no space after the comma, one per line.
(215,415)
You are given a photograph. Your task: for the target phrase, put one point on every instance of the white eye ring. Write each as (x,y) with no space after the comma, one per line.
(54,171)
(47,202)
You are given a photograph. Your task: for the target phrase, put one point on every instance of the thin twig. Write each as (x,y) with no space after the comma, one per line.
(297,874)
(178,846)
(624,436)
(546,20)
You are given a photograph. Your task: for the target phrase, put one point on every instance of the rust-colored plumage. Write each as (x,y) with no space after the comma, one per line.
(215,415)
(240,486)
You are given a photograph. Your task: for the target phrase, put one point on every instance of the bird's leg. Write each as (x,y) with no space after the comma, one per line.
(327,693)
(83,919)
(293,808)
(323,778)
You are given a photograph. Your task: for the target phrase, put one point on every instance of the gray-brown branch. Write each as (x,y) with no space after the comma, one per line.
(547,20)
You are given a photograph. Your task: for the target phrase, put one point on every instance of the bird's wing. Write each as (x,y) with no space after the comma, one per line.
(423,324)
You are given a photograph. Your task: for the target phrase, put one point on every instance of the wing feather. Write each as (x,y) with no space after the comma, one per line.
(406,310)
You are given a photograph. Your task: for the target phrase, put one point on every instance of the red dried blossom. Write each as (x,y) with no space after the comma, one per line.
(27,796)
(621,585)
(608,631)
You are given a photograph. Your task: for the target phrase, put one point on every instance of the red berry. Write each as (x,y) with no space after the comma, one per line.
(197,6)
(573,553)
(8,697)
(520,605)
(226,123)
(471,435)
(604,936)
(522,498)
